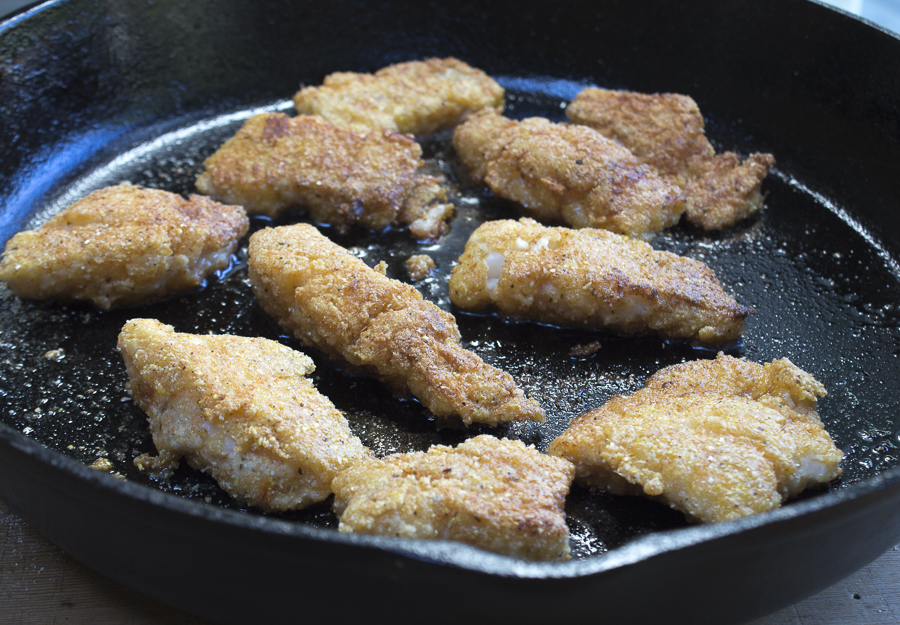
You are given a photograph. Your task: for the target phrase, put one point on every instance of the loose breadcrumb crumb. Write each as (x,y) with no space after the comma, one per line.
(420,266)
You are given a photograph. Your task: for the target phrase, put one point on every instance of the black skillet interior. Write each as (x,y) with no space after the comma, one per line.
(95,93)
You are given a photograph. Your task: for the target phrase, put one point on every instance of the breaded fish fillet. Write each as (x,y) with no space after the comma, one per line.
(239,409)
(717,440)
(567,173)
(340,176)
(123,245)
(666,131)
(331,300)
(498,495)
(418,97)
(592,278)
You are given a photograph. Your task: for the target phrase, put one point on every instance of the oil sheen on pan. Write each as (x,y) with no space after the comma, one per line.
(798,263)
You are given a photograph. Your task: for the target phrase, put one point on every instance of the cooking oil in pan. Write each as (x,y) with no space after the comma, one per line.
(825,298)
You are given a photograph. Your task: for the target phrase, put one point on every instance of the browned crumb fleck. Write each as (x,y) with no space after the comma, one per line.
(55,354)
(101,464)
(420,266)
(584,350)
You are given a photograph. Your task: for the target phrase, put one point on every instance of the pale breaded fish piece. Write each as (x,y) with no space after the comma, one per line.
(592,278)
(417,97)
(340,176)
(240,409)
(333,301)
(123,245)
(716,439)
(495,494)
(666,131)
(567,173)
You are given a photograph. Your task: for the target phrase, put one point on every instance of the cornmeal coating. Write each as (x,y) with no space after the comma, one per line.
(666,131)
(592,278)
(333,301)
(568,174)
(123,245)
(239,409)
(418,97)
(495,494)
(342,177)
(716,439)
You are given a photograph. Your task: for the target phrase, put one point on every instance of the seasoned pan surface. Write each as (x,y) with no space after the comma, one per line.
(819,290)
(159,88)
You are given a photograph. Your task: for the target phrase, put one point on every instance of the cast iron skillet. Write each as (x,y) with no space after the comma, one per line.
(93,93)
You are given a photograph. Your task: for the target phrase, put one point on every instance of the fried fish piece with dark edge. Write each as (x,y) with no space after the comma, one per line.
(340,176)
(495,494)
(593,278)
(240,409)
(418,97)
(333,301)
(666,131)
(716,439)
(566,173)
(123,245)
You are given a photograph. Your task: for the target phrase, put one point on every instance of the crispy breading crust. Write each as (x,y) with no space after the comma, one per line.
(418,97)
(498,495)
(240,409)
(728,191)
(340,176)
(331,300)
(666,131)
(123,245)
(592,278)
(717,440)
(568,174)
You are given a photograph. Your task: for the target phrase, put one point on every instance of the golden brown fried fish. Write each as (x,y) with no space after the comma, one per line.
(340,176)
(567,173)
(331,300)
(498,495)
(717,440)
(240,409)
(592,278)
(666,131)
(123,245)
(419,97)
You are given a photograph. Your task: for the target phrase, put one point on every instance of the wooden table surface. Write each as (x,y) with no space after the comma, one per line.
(41,584)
